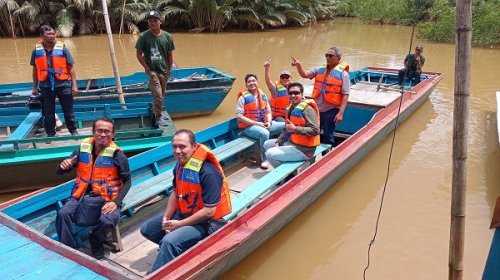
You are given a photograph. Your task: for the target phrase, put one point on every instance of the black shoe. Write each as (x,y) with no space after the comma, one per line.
(74,132)
(96,248)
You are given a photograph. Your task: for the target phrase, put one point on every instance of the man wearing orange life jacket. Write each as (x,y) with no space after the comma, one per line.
(102,170)
(54,76)
(278,89)
(331,91)
(197,205)
(254,116)
(301,136)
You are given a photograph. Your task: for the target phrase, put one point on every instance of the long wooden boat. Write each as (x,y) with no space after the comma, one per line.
(263,201)
(200,91)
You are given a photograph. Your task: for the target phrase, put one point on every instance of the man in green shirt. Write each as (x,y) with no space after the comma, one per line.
(413,66)
(154,52)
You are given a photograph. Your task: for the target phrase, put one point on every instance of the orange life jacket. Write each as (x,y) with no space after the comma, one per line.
(102,173)
(251,110)
(330,84)
(188,185)
(296,116)
(280,102)
(59,62)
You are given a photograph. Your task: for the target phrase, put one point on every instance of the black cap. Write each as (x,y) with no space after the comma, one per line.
(153,14)
(419,47)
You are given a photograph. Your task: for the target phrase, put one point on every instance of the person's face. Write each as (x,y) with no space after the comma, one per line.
(418,52)
(49,36)
(182,148)
(332,58)
(103,133)
(295,95)
(285,79)
(251,83)
(154,23)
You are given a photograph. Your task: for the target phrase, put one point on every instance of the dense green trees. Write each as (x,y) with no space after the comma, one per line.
(435,18)
(85,16)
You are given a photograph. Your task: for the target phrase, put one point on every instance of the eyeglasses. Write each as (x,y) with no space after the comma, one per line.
(284,77)
(103,131)
(294,93)
(330,55)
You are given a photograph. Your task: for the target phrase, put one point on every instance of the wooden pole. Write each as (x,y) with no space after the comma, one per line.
(121,20)
(112,52)
(463,39)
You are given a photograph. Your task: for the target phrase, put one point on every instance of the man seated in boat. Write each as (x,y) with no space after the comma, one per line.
(299,139)
(413,66)
(278,90)
(197,205)
(331,91)
(102,170)
(254,116)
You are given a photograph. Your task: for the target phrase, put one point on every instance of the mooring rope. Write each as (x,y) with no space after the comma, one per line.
(390,152)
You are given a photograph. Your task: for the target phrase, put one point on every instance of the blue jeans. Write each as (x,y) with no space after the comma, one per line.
(48,98)
(327,125)
(176,242)
(278,155)
(262,134)
(65,221)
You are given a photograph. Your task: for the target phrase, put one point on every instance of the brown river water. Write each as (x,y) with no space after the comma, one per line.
(330,239)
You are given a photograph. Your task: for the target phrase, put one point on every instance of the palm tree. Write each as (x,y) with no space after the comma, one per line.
(38,12)
(7,15)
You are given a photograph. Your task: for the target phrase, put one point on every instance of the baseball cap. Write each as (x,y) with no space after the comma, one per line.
(419,47)
(286,72)
(153,14)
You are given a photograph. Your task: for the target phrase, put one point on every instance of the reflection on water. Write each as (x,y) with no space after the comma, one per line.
(329,240)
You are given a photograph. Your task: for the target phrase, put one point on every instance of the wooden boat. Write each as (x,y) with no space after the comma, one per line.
(199,90)
(492,266)
(263,201)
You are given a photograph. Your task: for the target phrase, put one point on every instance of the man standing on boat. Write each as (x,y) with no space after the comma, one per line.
(331,91)
(197,205)
(54,76)
(154,51)
(254,116)
(413,66)
(299,139)
(278,90)
(102,170)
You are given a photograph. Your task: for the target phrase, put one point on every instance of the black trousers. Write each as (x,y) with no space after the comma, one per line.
(49,108)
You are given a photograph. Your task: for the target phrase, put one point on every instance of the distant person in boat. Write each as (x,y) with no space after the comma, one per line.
(102,170)
(331,91)
(197,205)
(299,139)
(278,90)
(154,51)
(54,76)
(413,66)
(254,116)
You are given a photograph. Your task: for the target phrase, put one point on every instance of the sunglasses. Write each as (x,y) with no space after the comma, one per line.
(294,93)
(284,77)
(330,55)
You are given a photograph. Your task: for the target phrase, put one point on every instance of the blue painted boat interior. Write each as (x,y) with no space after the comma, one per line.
(22,258)
(492,268)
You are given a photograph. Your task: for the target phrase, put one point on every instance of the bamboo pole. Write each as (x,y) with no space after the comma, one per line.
(463,39)
(121,20)
(11,22)
(112,53)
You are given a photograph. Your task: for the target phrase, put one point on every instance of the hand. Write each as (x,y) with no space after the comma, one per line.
(170,225)
(338,118)
(290,127)
(68,163)
(267,125)
(108,208)
(267,64)
(74,90)
(35,92)
(295,62)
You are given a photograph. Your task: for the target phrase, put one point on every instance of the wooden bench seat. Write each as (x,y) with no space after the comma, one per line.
(248,196)
(22,130)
